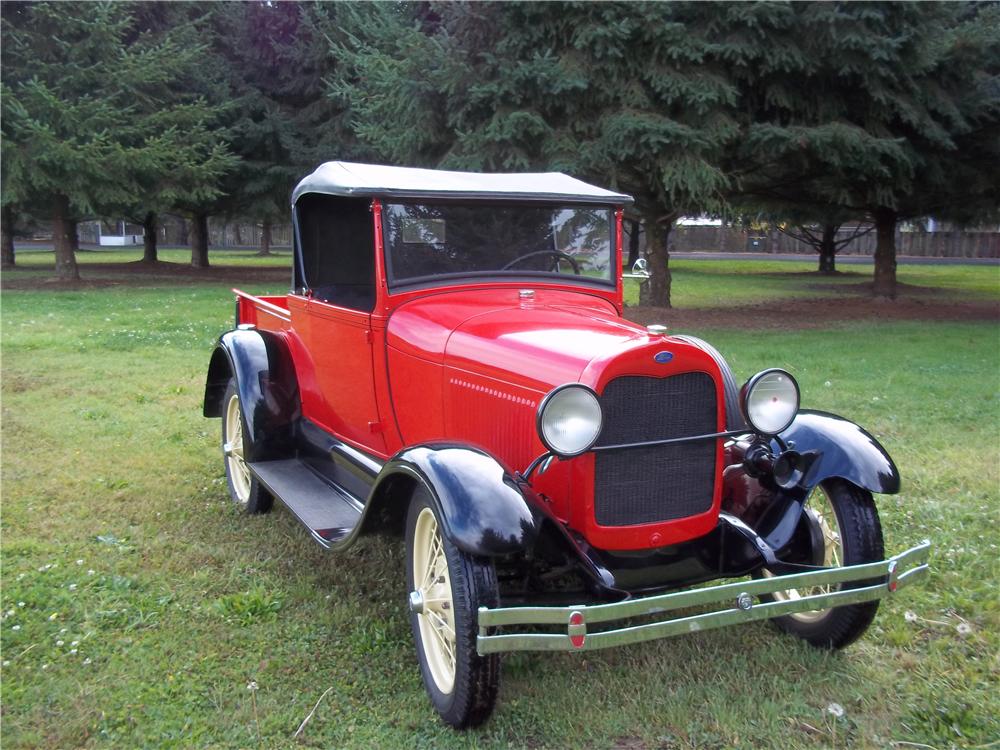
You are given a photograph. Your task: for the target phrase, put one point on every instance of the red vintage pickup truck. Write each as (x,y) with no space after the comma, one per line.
(452,365)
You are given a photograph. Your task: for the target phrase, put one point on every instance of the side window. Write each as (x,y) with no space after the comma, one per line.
(337,250)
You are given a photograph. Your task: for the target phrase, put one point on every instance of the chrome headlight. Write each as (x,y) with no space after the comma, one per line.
(569,419)
(770,401)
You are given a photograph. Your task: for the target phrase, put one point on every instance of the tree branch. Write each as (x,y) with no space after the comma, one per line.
(858,233)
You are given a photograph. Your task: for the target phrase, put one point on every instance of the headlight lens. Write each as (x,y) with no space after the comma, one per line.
(770,401)
(569,419)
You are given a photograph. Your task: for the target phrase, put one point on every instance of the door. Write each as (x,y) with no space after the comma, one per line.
(336,260)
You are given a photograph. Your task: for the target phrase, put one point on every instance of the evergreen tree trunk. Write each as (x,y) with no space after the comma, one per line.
(199,241)
(149,229)
(65,240)
(237,238)
(633,244)
(265,239)
(885,254)
(7,238)
(828,250)
(657,235)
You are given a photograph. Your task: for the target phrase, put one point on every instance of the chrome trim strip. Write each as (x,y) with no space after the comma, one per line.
(740,596)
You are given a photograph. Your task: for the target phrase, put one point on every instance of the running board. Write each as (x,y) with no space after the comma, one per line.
(326,510)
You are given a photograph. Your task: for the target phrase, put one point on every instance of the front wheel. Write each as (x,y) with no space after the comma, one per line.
(447,586)
(843,524)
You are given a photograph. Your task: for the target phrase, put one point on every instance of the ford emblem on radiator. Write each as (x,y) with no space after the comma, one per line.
(663,357)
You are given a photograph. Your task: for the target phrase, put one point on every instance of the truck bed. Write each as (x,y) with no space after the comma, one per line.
(265,312)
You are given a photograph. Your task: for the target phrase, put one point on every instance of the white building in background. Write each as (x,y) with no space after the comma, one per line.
(122,233)
(698,221)
(110,234)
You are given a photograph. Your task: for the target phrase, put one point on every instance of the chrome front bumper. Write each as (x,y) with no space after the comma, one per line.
(743,596)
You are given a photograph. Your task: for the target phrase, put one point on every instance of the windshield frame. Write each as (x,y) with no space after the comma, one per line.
(513,276)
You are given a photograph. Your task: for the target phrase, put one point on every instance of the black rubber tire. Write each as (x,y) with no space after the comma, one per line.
(473,585)
(861,538)
(259,500)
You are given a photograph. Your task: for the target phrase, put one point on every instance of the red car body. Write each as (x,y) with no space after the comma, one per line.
(472,365)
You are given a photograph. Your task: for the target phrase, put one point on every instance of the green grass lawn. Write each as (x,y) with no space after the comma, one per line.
(708,283)
(37,265)
(137,603)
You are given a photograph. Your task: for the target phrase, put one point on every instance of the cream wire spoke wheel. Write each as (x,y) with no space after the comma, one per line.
(447,586)
(436,611)
(821,514)
(842,525)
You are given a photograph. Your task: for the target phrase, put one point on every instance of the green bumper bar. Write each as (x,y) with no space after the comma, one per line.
(743,596)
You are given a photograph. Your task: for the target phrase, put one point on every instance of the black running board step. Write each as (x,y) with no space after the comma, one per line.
(327,511)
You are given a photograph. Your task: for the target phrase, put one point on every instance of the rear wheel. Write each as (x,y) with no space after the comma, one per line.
(844,526)
(447,586)
(237,447)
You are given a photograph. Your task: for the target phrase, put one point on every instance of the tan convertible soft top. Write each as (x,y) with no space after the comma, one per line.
(376,180)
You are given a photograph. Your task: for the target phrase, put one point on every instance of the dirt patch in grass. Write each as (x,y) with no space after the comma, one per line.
(864,288)
(799,314)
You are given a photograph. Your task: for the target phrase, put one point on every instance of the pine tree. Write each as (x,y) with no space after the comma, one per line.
(192,99)
(889,110)
(623,94)
(276,59)
(7,237)
(95,116)
(822,236)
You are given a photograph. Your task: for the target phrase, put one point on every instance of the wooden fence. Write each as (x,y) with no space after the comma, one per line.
(729,239)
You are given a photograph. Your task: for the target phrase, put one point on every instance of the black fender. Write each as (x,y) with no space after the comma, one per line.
(827,447)
(484,511)
(832,446)
(267,385)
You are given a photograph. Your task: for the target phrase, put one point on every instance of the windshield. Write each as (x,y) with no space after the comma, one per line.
(424,242)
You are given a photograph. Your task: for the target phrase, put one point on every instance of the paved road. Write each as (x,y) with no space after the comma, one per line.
(850,260)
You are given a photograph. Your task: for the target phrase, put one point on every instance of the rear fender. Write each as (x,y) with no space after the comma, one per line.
(267,387)
(483,510)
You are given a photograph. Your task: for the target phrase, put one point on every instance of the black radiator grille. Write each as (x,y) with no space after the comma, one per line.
(647,485)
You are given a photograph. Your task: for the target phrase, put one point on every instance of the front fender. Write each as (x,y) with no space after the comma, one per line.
(267,386)
(836,447)
(483,509)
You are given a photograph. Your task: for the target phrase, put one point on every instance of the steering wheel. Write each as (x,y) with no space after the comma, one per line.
(557,256)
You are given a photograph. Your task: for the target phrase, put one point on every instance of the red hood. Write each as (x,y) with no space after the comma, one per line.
(473,367)
(541,342)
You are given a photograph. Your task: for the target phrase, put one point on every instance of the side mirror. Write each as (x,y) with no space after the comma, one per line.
(640,270)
